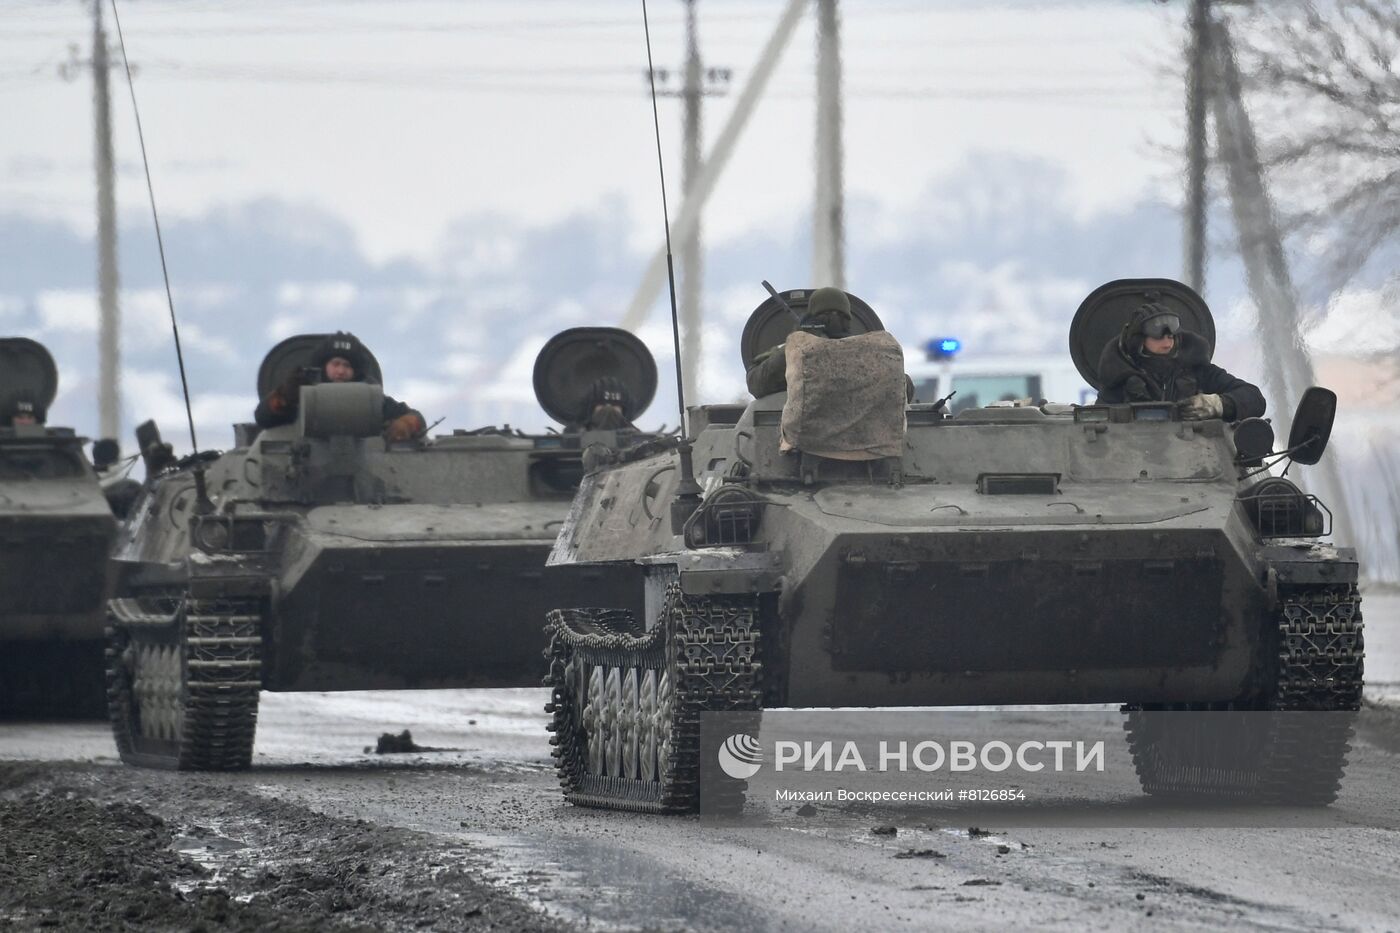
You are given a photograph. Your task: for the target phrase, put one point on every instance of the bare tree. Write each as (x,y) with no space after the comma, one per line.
(1323,81)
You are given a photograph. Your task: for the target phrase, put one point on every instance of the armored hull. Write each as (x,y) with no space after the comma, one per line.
(1131,576)
(55,531)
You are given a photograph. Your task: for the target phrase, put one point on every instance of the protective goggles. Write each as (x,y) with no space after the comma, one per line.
(1162,325)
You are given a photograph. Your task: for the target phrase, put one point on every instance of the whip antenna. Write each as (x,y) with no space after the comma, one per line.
(160,245)
(687,490)
(666,219)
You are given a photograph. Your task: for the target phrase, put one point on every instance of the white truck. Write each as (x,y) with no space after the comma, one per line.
(981,380)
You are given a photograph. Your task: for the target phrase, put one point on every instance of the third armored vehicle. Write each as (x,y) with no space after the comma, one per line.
(55,531)
(1036,554)
(317,556)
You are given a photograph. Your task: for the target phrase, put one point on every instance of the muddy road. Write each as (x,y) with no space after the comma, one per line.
(325,833)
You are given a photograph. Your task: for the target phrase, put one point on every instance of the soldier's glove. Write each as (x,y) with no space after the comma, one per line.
(289,392)
(1201,407)
(404,428)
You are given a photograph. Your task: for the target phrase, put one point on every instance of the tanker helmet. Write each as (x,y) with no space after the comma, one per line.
(607,402)
(1154,320)
(22,405)
(344,345)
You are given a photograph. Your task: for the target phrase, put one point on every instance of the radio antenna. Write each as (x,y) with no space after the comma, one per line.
(202,497)
(666,219)
(687,490)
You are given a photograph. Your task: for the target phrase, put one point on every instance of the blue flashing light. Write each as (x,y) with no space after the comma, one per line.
(943,348)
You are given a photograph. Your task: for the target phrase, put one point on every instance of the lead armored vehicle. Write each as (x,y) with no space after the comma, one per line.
(317,556)
(55,531)
(1019,554)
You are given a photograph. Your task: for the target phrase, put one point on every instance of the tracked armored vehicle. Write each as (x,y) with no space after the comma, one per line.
(319,557)
(1020,554)
(55,532)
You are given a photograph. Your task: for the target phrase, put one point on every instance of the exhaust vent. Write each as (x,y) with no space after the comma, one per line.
(1018,484)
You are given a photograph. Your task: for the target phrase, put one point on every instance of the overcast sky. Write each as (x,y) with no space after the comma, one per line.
(401,116)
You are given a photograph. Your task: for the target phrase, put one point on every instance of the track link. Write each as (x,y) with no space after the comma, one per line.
(1280,755)
(183,682)
(701,655)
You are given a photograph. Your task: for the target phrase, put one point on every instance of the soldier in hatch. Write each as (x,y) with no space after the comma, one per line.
(606,407)
(828,315)
(1154,360)
(340,358)
(21,409)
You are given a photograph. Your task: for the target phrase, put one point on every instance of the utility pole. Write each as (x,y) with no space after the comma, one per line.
(692,259)
(687,219)
(109,321)
(1288,368)
(1196,98)
(828,227)
(698,83)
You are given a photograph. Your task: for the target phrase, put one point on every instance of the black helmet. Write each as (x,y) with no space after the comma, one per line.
(22,403)
(608,400)
(344,345)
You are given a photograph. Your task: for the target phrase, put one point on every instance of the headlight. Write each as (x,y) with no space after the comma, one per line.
(224,533)
(730,516)
(212,534)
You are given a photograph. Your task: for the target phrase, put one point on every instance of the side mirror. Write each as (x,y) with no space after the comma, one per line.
(155,453)
(1312,425)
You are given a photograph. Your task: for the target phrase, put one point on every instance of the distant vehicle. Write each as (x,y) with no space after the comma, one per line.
(55,531)
(326,558)
(981,380)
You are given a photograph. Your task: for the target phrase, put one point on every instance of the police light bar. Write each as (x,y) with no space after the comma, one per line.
(942,348)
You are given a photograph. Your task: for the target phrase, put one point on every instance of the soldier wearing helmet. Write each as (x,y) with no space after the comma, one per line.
(605,409)
(828,315)
(1154,360)
(21,409)
(340,358)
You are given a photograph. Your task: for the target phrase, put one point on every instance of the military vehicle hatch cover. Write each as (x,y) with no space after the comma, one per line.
(1101,317)
(26,367)
(573,360)
(770,322)
(294,353)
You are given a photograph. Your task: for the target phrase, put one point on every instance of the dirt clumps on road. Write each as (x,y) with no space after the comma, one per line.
(96,849)
(403,744)
(70,863)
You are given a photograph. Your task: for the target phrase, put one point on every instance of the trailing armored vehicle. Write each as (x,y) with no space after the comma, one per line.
(318,556)
(1017,554)
(55,532)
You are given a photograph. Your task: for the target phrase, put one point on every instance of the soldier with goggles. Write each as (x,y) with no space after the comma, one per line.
(1155,360)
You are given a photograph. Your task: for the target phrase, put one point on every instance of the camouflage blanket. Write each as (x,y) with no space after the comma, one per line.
(845,397)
